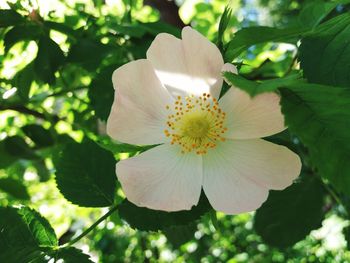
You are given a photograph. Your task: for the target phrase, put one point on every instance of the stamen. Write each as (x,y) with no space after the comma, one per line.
(196,123)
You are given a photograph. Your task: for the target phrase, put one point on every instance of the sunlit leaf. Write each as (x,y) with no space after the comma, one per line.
(249,36)
(325,54)
(26,236)
(255,88)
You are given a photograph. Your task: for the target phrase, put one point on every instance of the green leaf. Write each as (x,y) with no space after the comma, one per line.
(325,54)
(14,187)
(21,33)
(254,88)
(26,236)
(320,117)
(152,220)
(101,92)
(39,135)
(289,215)
(49,58)
(10,17)
(85,174)
(247,37)
(224,21)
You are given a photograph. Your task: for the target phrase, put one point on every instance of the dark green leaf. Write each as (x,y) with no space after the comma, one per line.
(325,54)
(89,53)
(289,215)
(254,88)
(68,255)
(86,174)
(247,37)
(107,143)
(17,147)
(14,188)
(129,30)
(60,27)
(320,117)
(179,235)
(49,58)
(101,92)
(23,81)
(21,33)
(152,220)
(39,135)
(42,171)
(158,27)
(10,17)
(24,227)
(6,158)
(315,11)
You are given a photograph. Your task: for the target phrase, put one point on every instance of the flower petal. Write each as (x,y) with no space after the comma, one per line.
(238,173)
(228,67)
(188,66)
(249,118)
(162,178)
(138,114)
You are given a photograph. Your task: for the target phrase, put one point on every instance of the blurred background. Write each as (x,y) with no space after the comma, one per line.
(56,61)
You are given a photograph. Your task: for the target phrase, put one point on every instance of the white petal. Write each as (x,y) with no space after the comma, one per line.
(226,190)
(138,114)
(228,67)
(162,178)
(204,59)
(188,66)
(238,173)
(249,118)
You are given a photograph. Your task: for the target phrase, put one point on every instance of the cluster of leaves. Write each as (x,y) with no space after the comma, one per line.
(73,76)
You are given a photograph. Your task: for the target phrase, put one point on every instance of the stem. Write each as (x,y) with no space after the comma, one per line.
(92,227)
(64,92)
(335,197)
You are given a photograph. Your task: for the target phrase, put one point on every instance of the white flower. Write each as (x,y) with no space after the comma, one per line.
(171,99)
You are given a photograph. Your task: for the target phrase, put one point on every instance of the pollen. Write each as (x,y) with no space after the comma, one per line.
(198,125)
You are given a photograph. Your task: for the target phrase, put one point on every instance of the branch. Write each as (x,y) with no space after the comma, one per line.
(25,110)
(169,11)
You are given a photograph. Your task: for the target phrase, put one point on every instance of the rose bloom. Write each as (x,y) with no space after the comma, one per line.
(172,99)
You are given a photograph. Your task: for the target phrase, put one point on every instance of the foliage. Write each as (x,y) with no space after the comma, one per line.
(56,161)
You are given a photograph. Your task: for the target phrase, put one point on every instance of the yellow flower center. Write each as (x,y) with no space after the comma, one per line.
(196,123)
